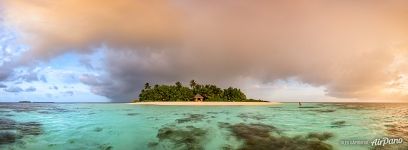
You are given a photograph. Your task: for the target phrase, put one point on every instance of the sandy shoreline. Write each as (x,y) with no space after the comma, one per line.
(206,103)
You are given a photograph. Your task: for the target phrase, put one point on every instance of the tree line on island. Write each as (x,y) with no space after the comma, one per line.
(178,92)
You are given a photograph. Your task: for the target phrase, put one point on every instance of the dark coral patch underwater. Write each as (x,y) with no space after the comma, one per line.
(254,136)
(190,138)
(266,137)
(11,131)
(191,118)
(255,116)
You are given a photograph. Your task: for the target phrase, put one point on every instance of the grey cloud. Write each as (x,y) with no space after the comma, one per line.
(27,74)
(10,49)
(49,95)
(92,80)
(14,89)
(6,71)
(29,77)
(87,63)
(43,79)
(30,89)
(130,74)
(53,87)
(68,77)
(68,87)
(69,93)
(101,85)
(3,86)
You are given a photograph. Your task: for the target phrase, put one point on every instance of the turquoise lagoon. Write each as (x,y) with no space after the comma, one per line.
(107,126)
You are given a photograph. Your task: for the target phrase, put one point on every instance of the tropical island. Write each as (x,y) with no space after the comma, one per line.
(207,94)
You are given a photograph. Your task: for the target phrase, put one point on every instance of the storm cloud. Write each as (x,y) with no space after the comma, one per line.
(355,49)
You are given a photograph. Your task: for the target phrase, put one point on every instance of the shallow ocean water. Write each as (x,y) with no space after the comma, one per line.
(100,126)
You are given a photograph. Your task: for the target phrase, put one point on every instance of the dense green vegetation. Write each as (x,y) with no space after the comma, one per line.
(178,92)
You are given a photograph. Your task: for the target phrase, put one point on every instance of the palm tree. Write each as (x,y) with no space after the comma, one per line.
(147,85)
(193,84)
(178,84)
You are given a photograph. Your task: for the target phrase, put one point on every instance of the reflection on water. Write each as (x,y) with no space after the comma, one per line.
(317,126)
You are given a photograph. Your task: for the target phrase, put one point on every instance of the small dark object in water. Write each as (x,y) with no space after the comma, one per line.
(71,141)
(223,124)
(44,112)
(108,147)
(152,144)
(132,114)
(338,124)
(308,107)
(98,129)
(325,110)
(190,127)
(105,147)
(227,147)
(7,137)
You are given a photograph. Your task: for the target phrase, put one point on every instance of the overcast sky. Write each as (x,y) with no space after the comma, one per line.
(301,50)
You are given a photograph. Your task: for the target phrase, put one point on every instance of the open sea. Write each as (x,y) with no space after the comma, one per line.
(112,126)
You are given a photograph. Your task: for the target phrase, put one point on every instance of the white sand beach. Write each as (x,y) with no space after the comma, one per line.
(206,103)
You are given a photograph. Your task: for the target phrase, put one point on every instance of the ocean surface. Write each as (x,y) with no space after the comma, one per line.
(83,126)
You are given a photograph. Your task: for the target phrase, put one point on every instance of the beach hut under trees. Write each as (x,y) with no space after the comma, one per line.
(198,98)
